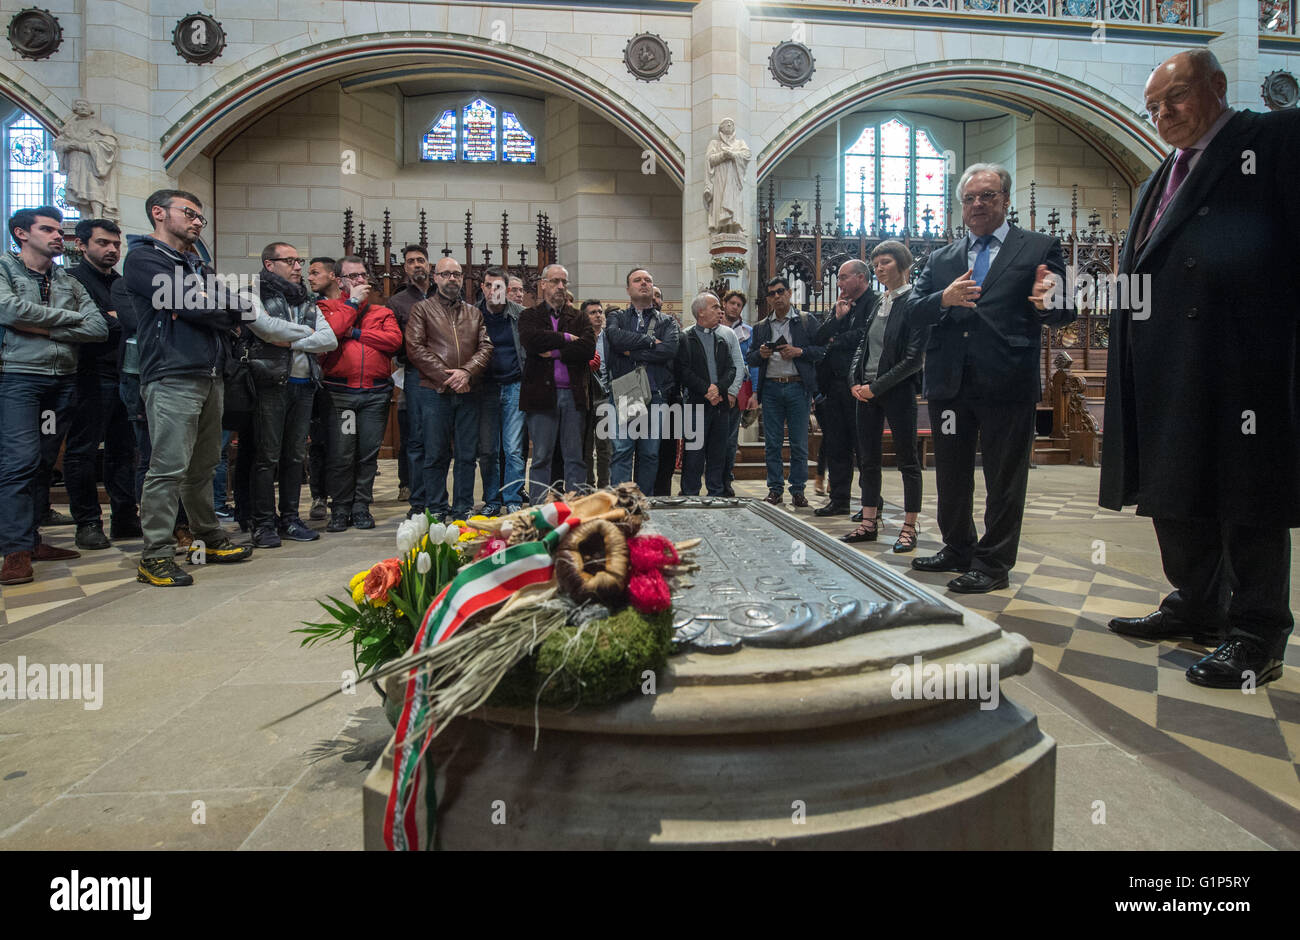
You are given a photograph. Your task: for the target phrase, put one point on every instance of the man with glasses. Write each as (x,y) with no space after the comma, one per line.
(447,341)
(640,335)
(988,297)
(410,423)
(784,350)
(359,376)
(1203,390)
(183,322)
(286,374)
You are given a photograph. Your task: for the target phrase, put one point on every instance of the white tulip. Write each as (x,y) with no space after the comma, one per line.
(421,523)
(406,538)
(436,532)
(423,563)
(452,536)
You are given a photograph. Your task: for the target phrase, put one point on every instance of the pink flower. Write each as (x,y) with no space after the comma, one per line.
(648,592)
(650,552)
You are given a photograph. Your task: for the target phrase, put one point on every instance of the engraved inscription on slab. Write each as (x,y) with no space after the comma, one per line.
(791,64)
(765,581)
(35,34)
(647,57)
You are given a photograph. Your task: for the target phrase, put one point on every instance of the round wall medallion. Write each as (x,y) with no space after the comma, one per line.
(199,38)
(35,34)
(791,64)
(1280,91)
(647,57)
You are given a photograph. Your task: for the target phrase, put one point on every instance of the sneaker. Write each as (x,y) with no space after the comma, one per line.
(227,552)
(17,568)
(53,518)
(225,513)
(91,537)
(295,530)
(403,494)
(125,528)
(265,537)
(363,520)
(512,507)
(162,572)
(319,510)
(491,510)
(339,522)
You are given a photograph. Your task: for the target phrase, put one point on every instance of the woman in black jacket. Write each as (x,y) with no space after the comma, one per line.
(884,378)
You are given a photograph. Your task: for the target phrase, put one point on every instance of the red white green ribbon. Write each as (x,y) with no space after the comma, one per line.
(485,583)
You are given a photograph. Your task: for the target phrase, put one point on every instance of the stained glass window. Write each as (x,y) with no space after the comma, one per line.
(440,142)
(31,174)
(906,172)
(517,145)
(479,132)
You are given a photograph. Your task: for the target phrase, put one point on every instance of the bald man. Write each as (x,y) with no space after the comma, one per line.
(1202,400)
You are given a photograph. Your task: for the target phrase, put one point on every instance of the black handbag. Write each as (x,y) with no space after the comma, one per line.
(241,391)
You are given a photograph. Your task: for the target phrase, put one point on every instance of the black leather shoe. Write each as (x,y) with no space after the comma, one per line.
(773,497)
(798,501)
(54,517)
(339,522)
(856,517)
(1233,664)
(1160,626)
(867,531)
(832,509)
(363,520)
(125,528)
(944,561)
(90,537)
(977,582)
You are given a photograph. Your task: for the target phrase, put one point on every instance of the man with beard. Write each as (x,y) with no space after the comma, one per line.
(286,375)
(501,422)
(560,344)
(410,423)
(324,284)
(447,341)
(100,416)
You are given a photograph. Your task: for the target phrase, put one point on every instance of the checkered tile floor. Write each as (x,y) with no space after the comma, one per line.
(1060,605)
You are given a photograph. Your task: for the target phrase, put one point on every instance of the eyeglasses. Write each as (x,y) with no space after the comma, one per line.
(292,262)
(456,274)
(359,276)
(189,214)
(777,292)
(1155,108)
(987,196)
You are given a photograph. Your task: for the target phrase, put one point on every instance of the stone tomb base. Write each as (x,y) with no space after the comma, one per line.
(815,746)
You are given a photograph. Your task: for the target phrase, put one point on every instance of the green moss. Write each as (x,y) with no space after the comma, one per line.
(592,665)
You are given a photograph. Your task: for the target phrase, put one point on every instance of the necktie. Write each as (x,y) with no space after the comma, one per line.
(1182,164)
(982,259)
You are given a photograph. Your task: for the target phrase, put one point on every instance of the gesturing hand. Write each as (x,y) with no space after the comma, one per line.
(963,292)
(1044,282)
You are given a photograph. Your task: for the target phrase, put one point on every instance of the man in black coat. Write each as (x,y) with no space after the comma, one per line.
(987,296)
(841,333)
(1203,391)
(707,373)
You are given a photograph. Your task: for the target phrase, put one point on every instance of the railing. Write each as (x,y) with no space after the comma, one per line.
(1156,12)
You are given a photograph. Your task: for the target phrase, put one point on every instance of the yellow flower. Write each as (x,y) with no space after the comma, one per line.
(480,518)
(359,592)
(358,578)
(460,523)
(469,535)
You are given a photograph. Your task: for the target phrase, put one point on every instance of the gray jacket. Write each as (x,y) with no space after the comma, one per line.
(71,319)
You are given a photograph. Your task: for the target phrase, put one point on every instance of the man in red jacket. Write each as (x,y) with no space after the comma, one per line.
(359,377)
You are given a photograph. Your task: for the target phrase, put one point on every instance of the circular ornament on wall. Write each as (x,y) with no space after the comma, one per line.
(647,57)
(35,34)
(1280,91)
(791,64)
(199,39)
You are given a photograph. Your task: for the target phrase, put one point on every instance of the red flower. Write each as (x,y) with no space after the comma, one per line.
(383,578)
(648,592)
(650,553)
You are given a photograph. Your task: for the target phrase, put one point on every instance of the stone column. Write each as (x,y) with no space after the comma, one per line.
(720,88)
(1237,48)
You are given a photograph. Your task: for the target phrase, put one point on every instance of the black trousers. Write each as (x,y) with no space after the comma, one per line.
(709,458)
(898,407)
(99,417)
(322,419)
(1234,579)
(837,416)
(1004,432)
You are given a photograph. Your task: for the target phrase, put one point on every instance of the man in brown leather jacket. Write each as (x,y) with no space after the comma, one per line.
(448,343)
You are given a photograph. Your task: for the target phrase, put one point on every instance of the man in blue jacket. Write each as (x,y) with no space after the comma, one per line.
(183,318)
(783,349)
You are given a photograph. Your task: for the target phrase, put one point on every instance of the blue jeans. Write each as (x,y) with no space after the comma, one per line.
(413,436)
(785,404)
(645,451)
(501,431)
(446,414)
(30,448)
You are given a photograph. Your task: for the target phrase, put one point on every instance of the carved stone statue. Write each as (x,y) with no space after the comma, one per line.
(88,153)
(724,189)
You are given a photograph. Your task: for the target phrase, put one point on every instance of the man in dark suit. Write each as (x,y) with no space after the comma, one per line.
(987,296)
(1203,389)
(707,373)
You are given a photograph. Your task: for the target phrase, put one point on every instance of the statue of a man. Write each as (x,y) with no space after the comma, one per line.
(88,151)
(724,191)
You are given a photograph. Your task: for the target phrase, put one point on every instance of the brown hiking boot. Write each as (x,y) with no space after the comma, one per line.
(17,568)
(47,552)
